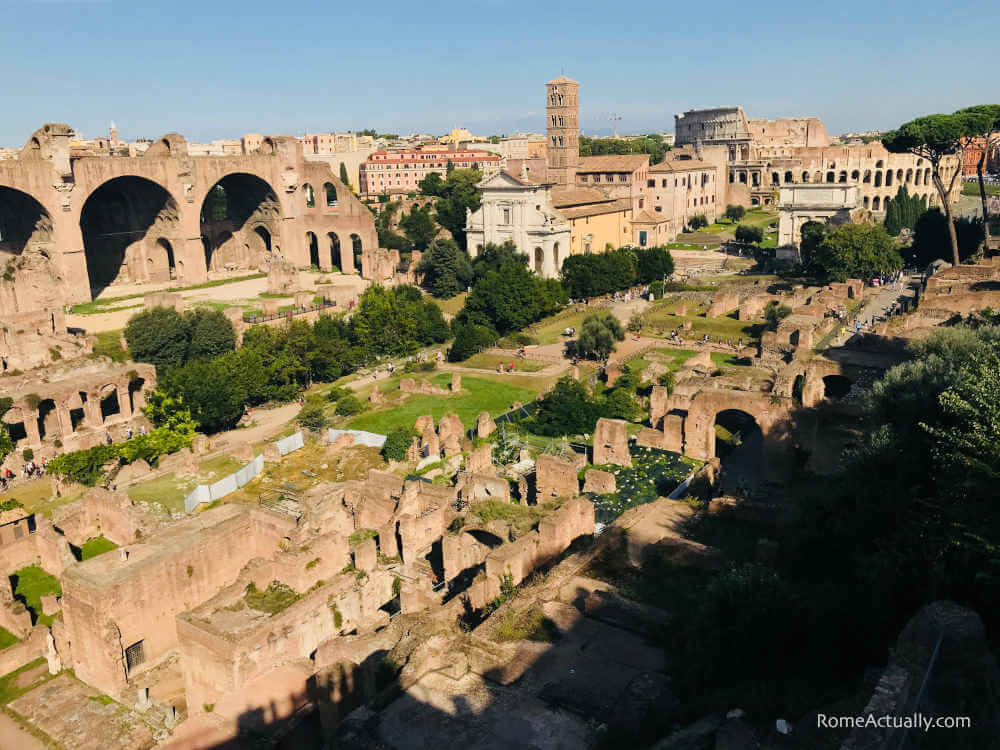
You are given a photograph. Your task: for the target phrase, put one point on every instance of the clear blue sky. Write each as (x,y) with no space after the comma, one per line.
(214,69)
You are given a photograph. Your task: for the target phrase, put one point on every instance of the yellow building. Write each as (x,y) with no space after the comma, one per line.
(596,220)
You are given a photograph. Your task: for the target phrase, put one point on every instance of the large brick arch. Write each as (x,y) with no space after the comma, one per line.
(62,184)
(699,426)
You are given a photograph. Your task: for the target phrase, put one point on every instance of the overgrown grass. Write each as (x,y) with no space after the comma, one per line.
(97,307)
(10,690)
(277,597)
(30,584)
(39,497)
(95,546)
(478,394)
(451,306)
(550,330)
(531,624)
(108,344)
(168,491)
(7,638)
(361,535)
(654,473)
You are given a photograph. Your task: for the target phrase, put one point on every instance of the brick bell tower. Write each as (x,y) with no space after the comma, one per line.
(562,110)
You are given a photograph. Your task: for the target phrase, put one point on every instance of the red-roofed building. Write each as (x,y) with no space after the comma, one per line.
(401,171)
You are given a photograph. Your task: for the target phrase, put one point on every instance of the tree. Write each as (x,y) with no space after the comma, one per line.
(343,177)
(774,313)
(982,122)
(432,184)
(312,416)
(749,234)
(215,399)
(812,235)
(903,211)
(470,339)
(933,137)
(652,264)
(697,222)
(446,269)
(856,251)
(458,196)
(930,236)
(348,406)
(492,257)
(159,336)
(419,226)
(511,298)
(735,212)
(388,238)
(567,409)
(598,334)
(593,275)
(211,334)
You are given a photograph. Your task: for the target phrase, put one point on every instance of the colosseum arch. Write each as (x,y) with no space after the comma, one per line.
(122,221)
(336,251)
(25,225)
(330,192)
(313,244)
(240,222)
(878,179)
(788,177)
(876,204)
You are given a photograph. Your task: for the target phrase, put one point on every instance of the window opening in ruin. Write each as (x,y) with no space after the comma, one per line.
(134,656)
(357,250)
(539,259)
(335,260)
(310,196)
(110,405)
(17,432)
(76,417)
(46,416)
(836,386)
(313,249)
(331,194)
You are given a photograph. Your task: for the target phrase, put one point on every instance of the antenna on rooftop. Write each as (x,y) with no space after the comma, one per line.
(615,117)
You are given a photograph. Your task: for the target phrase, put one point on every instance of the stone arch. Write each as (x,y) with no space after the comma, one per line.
(842,178)
(160,261)
(330,192)
(879,164)
(313,244)
(855,175)
(699,426)
(108,398)
(805,177)
(122,221)
(899,175)
(876,204)
(24,223)
(866,202)
(909,176)
(878,179)
(233,212)
(888,178)
(539,260)
(836,386)
(831,177)
(775,178)
(927,176)
(868,176)
(788,177)
(336,251)
(357,250)
(309,194)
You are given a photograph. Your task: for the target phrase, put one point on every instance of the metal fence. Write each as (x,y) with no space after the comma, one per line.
(287,314)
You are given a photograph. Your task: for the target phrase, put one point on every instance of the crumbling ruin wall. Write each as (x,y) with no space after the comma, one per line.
(556,477)
(723,303)
(611,442)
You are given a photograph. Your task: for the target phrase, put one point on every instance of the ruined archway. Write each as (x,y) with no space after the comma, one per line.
(109,402)
(835,387)
(240,217)
(739,445)
(331,194)
(313,245)
(539,260)
(335,260)
(25,225)
(356,249)
(122,222)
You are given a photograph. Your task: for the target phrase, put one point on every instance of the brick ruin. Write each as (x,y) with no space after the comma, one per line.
(77,404)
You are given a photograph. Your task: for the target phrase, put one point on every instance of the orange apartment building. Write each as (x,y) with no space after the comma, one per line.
(401,171)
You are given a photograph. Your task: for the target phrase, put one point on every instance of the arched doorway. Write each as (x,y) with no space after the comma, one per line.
(240,217)
(555,256)
(739,444)
(835,387)
(24,223)
(122,222)
(160,262)
(331,194)
(109,402)
(335,260)
(539,260)
(313,244)
(357,250)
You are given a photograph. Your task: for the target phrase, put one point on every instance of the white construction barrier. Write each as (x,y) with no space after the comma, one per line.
(290,443)
(361,437)
(205,493)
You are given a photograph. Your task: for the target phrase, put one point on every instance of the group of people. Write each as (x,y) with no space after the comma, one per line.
(30,470)
(501,369)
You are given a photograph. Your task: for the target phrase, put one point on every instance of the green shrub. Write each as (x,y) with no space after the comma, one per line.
(312,416)
(27,454)
(470,339)
(275,598)
(84,466)
(348,406)
(336,393)
(397,443)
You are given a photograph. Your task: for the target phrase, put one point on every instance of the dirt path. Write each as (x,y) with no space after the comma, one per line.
(13,737)
(266,422)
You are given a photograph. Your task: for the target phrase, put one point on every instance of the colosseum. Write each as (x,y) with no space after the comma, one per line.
(765,155)
(70,226)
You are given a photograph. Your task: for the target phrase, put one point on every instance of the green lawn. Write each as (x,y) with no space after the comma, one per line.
(478,394)
(451,306)
(659,323)
(37,496)
(7,638)
(108,344)
(550,330)
(169,490)
(972,188)
(95,546)
(485,361)
(675,358)
(30,584)
(97,307)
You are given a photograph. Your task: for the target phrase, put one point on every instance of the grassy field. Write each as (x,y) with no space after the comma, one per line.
(478,394)
(87,308)
(38,496)
(658,322)
(550,330)
(108,344)
(30,584)
(98,307)
(95,546)
(485,361)
(450,307)
(169,490)
(972,188)
(7,638)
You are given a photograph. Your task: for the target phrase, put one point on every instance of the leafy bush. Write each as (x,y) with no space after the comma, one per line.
(697,222)
(446,269)
(856,251)
(336,393)
(656,289)
(470,339)
(84,466)
(774,313)
(348,406)
(312,416)
(27,454)
(565,410)
(397,443)
(749,234)
(275,598)
(735,212)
